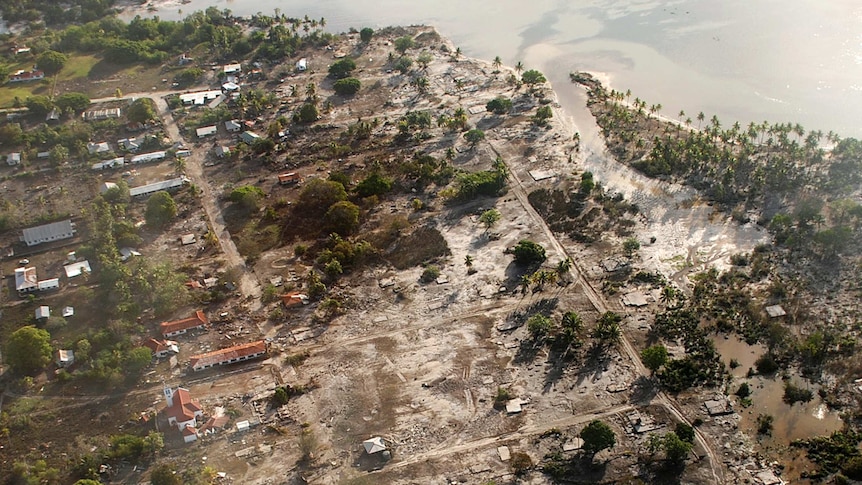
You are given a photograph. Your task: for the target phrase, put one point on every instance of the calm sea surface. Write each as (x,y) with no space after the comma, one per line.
(742,60)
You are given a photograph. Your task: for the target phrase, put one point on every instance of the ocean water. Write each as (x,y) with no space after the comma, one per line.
(794,61)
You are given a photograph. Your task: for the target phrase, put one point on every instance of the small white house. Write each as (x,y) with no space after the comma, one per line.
(302,64)
(13,159)
(232,126)
(64,358)
(68,311)
(232,69)
(97,148)
(43,312)
(205,131)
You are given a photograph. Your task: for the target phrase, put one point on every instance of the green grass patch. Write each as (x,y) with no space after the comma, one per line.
(78,66)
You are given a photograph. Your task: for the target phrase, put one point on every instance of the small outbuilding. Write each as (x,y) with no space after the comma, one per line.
(775,311)
(43,312)
(64,358)
(374,445)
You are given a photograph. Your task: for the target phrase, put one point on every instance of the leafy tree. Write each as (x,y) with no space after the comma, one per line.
(403,44)
(539,326)
(308,113)
(474,136)
(72,101)
(161,209)
(685,432)
(342,217)
(543,114)
(141,110)
(429,274)
(374,184)
(262,145)
(533,77)
(28,349)
(58,154)
(165,475)
(319,195)
(489,218)
(597,436)
(403,64)
(342,68)
(347,86)
(51,62)
(87,481)
(675,449)
(424,59)
(528,252)
(189,76)
(137,360)
(366,34)
(630,246)
(654,357)
(248,197)
(280,397)
(499,105)
(39,105)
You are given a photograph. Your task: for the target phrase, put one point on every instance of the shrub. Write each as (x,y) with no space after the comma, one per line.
(766,364)
(403,64)
(161,209)
(539,326)
(374,184)
(403,44)
(520,462)
(528,252)
(499,105)
(430,274)
(342,68)
(248,197)
(794,394)
(308,113)
(347,86)
(744,390)
(366,34)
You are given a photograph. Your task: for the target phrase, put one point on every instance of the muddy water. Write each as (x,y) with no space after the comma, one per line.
(733,347)
(801,420)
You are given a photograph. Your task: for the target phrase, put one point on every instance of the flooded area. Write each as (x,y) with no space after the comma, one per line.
(732,347)
(801,420)
(802,62)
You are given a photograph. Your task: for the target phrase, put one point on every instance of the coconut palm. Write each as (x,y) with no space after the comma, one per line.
(497,62)
(519,67)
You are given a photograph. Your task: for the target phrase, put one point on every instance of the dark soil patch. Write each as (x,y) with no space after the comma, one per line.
(422,245)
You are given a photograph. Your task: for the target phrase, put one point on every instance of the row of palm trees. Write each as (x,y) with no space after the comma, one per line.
(731,164)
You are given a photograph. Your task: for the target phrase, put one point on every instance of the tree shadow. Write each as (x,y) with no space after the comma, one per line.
(643,390)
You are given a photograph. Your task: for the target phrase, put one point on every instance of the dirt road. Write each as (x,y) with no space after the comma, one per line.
(601,306)
(248,284)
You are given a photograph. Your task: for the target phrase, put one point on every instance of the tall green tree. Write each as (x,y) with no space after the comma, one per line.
(533,77)
(51,62)
(654,357)
(28,349)
(366,34)
(597,436)
(161,209)
(342,217)
(141,110)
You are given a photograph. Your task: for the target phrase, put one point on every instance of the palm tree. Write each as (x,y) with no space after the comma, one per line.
(497,62)
(700,118)
(564,266)
(519,67)
(311,92)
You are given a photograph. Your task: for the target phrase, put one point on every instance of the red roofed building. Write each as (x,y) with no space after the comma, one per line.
(179,327)
(230,355)
(294,298)
(181,409)
(162,348)
(190,434)
(24,76)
